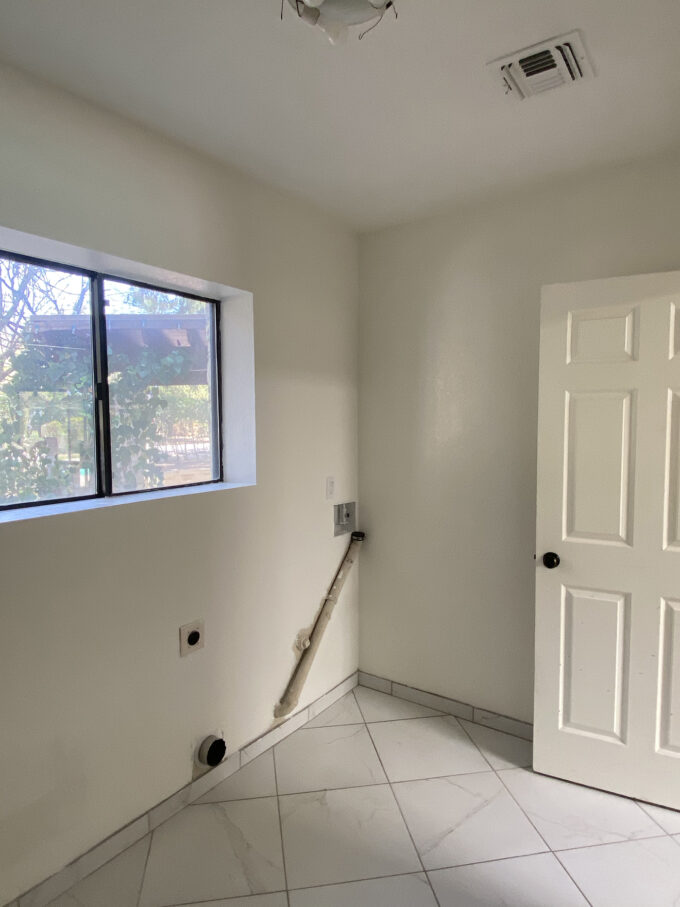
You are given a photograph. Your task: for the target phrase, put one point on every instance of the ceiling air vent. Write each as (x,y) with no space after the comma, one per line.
(542,67)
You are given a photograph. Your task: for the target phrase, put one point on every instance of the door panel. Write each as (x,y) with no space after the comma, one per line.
(672,495)
(602,335)
(597,491)
(668,735)
(595,662)
(607,690)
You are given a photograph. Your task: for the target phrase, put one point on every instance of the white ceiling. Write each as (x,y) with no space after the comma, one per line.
(402,123)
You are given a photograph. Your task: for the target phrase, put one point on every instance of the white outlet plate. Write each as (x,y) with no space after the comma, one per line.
(330,488)
(185,646)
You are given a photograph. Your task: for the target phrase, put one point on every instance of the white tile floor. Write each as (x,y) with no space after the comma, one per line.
(379,802)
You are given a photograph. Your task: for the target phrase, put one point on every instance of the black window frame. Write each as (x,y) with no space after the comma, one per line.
(100,384)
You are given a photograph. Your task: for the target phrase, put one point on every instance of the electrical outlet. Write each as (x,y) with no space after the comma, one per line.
(330,488)
(191,637)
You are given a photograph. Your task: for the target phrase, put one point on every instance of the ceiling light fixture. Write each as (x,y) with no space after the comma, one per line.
(336,17)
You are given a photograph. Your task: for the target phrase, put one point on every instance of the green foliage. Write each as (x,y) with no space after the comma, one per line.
(28,473)
(46,392)
(136,402)
(187,410)
(41,390)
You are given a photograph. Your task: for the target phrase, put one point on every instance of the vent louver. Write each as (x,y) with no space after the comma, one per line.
(551,64)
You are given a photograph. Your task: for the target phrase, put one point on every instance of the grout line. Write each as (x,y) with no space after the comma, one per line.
(146,863)
(278,813)
(467,705)
(476,746)
(557,857)
(600,790)
(652,818)
(525,814)
(387,783)
(532,823)
(611,843)
(356,702)
(410,718)
(529,819)
(217,802)
(427,872)
(401,813)
(323,727)
(220,901)
(517,856)
(361,711)
(392,875)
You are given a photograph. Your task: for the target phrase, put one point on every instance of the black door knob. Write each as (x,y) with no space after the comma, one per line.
(551,560)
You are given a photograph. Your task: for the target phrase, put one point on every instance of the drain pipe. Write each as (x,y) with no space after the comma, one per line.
(308,642)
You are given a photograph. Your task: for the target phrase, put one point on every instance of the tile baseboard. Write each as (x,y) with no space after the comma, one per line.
(54,886)
(451,706)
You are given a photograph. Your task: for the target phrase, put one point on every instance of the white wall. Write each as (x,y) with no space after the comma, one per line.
(98,715)
(448,395)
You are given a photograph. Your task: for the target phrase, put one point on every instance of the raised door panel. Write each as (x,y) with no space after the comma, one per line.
(602,335)
(595,630)
(598,467)
(668,707)
(671,533)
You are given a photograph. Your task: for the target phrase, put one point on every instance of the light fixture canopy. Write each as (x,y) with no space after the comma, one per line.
(336,17)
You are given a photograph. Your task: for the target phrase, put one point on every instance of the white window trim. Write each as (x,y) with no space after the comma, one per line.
(237,366)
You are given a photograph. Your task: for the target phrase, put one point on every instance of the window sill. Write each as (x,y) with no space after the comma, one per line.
(45,510)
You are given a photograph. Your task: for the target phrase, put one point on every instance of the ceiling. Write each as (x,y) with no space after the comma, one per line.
(382,130)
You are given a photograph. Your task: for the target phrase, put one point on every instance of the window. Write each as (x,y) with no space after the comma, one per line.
(107,387)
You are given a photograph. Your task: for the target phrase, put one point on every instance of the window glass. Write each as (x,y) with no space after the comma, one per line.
(163,398)
(47,432)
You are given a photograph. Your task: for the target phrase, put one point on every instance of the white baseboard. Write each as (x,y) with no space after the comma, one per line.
(450,706)
(41,895)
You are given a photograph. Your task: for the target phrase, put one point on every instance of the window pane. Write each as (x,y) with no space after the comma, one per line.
(47,435)
(162,398)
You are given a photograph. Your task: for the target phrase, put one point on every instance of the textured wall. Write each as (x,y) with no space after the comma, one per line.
(98,715)
(448,402)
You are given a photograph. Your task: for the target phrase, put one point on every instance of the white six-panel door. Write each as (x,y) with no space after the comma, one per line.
(607,690)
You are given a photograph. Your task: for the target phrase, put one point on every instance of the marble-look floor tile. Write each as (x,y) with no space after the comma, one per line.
(327,757)
(116,884)
(465,819)
(535,881)
(345,835)
(256,779)
(499,749)
(344,711)
(630,874)
(426,748)
(376,706)
(668,819)
(398,891)
(217,850)
(255,900)
(568,815)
